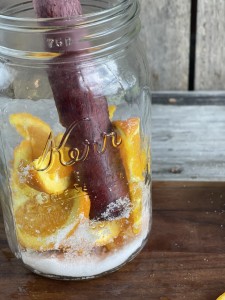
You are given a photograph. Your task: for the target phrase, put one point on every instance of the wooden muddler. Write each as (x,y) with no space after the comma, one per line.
(102,175)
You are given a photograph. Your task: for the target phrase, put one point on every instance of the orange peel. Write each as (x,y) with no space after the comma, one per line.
(21,192)
(112,110)
(105,232)
(57,178)
(221,297)
(133,157)
(43,222)
(33,129)
(135,160)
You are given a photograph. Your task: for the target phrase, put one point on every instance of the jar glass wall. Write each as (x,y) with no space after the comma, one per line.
(75,138)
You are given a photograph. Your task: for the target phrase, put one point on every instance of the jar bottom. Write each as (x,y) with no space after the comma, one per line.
(66,267)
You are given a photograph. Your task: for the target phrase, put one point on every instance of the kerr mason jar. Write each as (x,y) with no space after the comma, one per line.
(75,138)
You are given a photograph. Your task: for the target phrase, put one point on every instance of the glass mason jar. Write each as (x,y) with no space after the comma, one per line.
(75,138)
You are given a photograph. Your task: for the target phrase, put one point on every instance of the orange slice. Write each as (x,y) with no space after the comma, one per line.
(89,235)
(55,179)
(40,217)
(136,191)
(221,297)
(44,221)
(112,109)
(133,157)
(104,232)
(49,174)
(134,160)
(123,238)
(21,192)
(33,129)
(22,153)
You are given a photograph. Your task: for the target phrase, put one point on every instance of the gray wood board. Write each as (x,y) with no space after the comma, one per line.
(188,142)
(210,50)
(166,34)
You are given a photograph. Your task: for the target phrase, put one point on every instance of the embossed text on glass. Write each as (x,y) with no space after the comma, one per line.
(74,154)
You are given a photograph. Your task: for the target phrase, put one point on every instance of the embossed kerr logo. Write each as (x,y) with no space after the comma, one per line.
(74,154)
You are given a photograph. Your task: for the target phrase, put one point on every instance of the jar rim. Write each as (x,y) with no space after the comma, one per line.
(95,33)
(81,20)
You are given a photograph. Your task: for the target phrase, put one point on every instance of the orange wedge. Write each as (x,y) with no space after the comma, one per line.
(112,109)
(40,217)
(44,221)
(134,160)
(21,192)
(56,178)
(45,211)
(221,297)
(136,190)
(104,232)
(33,129)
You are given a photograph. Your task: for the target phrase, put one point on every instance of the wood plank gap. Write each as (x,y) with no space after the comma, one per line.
(193,29)
(189,98)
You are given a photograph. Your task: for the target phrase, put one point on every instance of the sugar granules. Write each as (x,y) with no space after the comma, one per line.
(88,263)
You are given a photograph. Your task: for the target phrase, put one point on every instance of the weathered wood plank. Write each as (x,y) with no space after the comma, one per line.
(166,34)
(210,51)
(188,141)
(189,98)
(3,3)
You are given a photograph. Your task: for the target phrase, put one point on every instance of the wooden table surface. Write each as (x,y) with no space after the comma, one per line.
(184,258)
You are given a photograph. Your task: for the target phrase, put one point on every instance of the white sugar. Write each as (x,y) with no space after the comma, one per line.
(90,262)
(122,204)
(24,173)
(81,266)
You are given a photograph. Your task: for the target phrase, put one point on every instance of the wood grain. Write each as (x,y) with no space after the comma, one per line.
(210,51)
(188,139)
(166,34)
(184,258)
